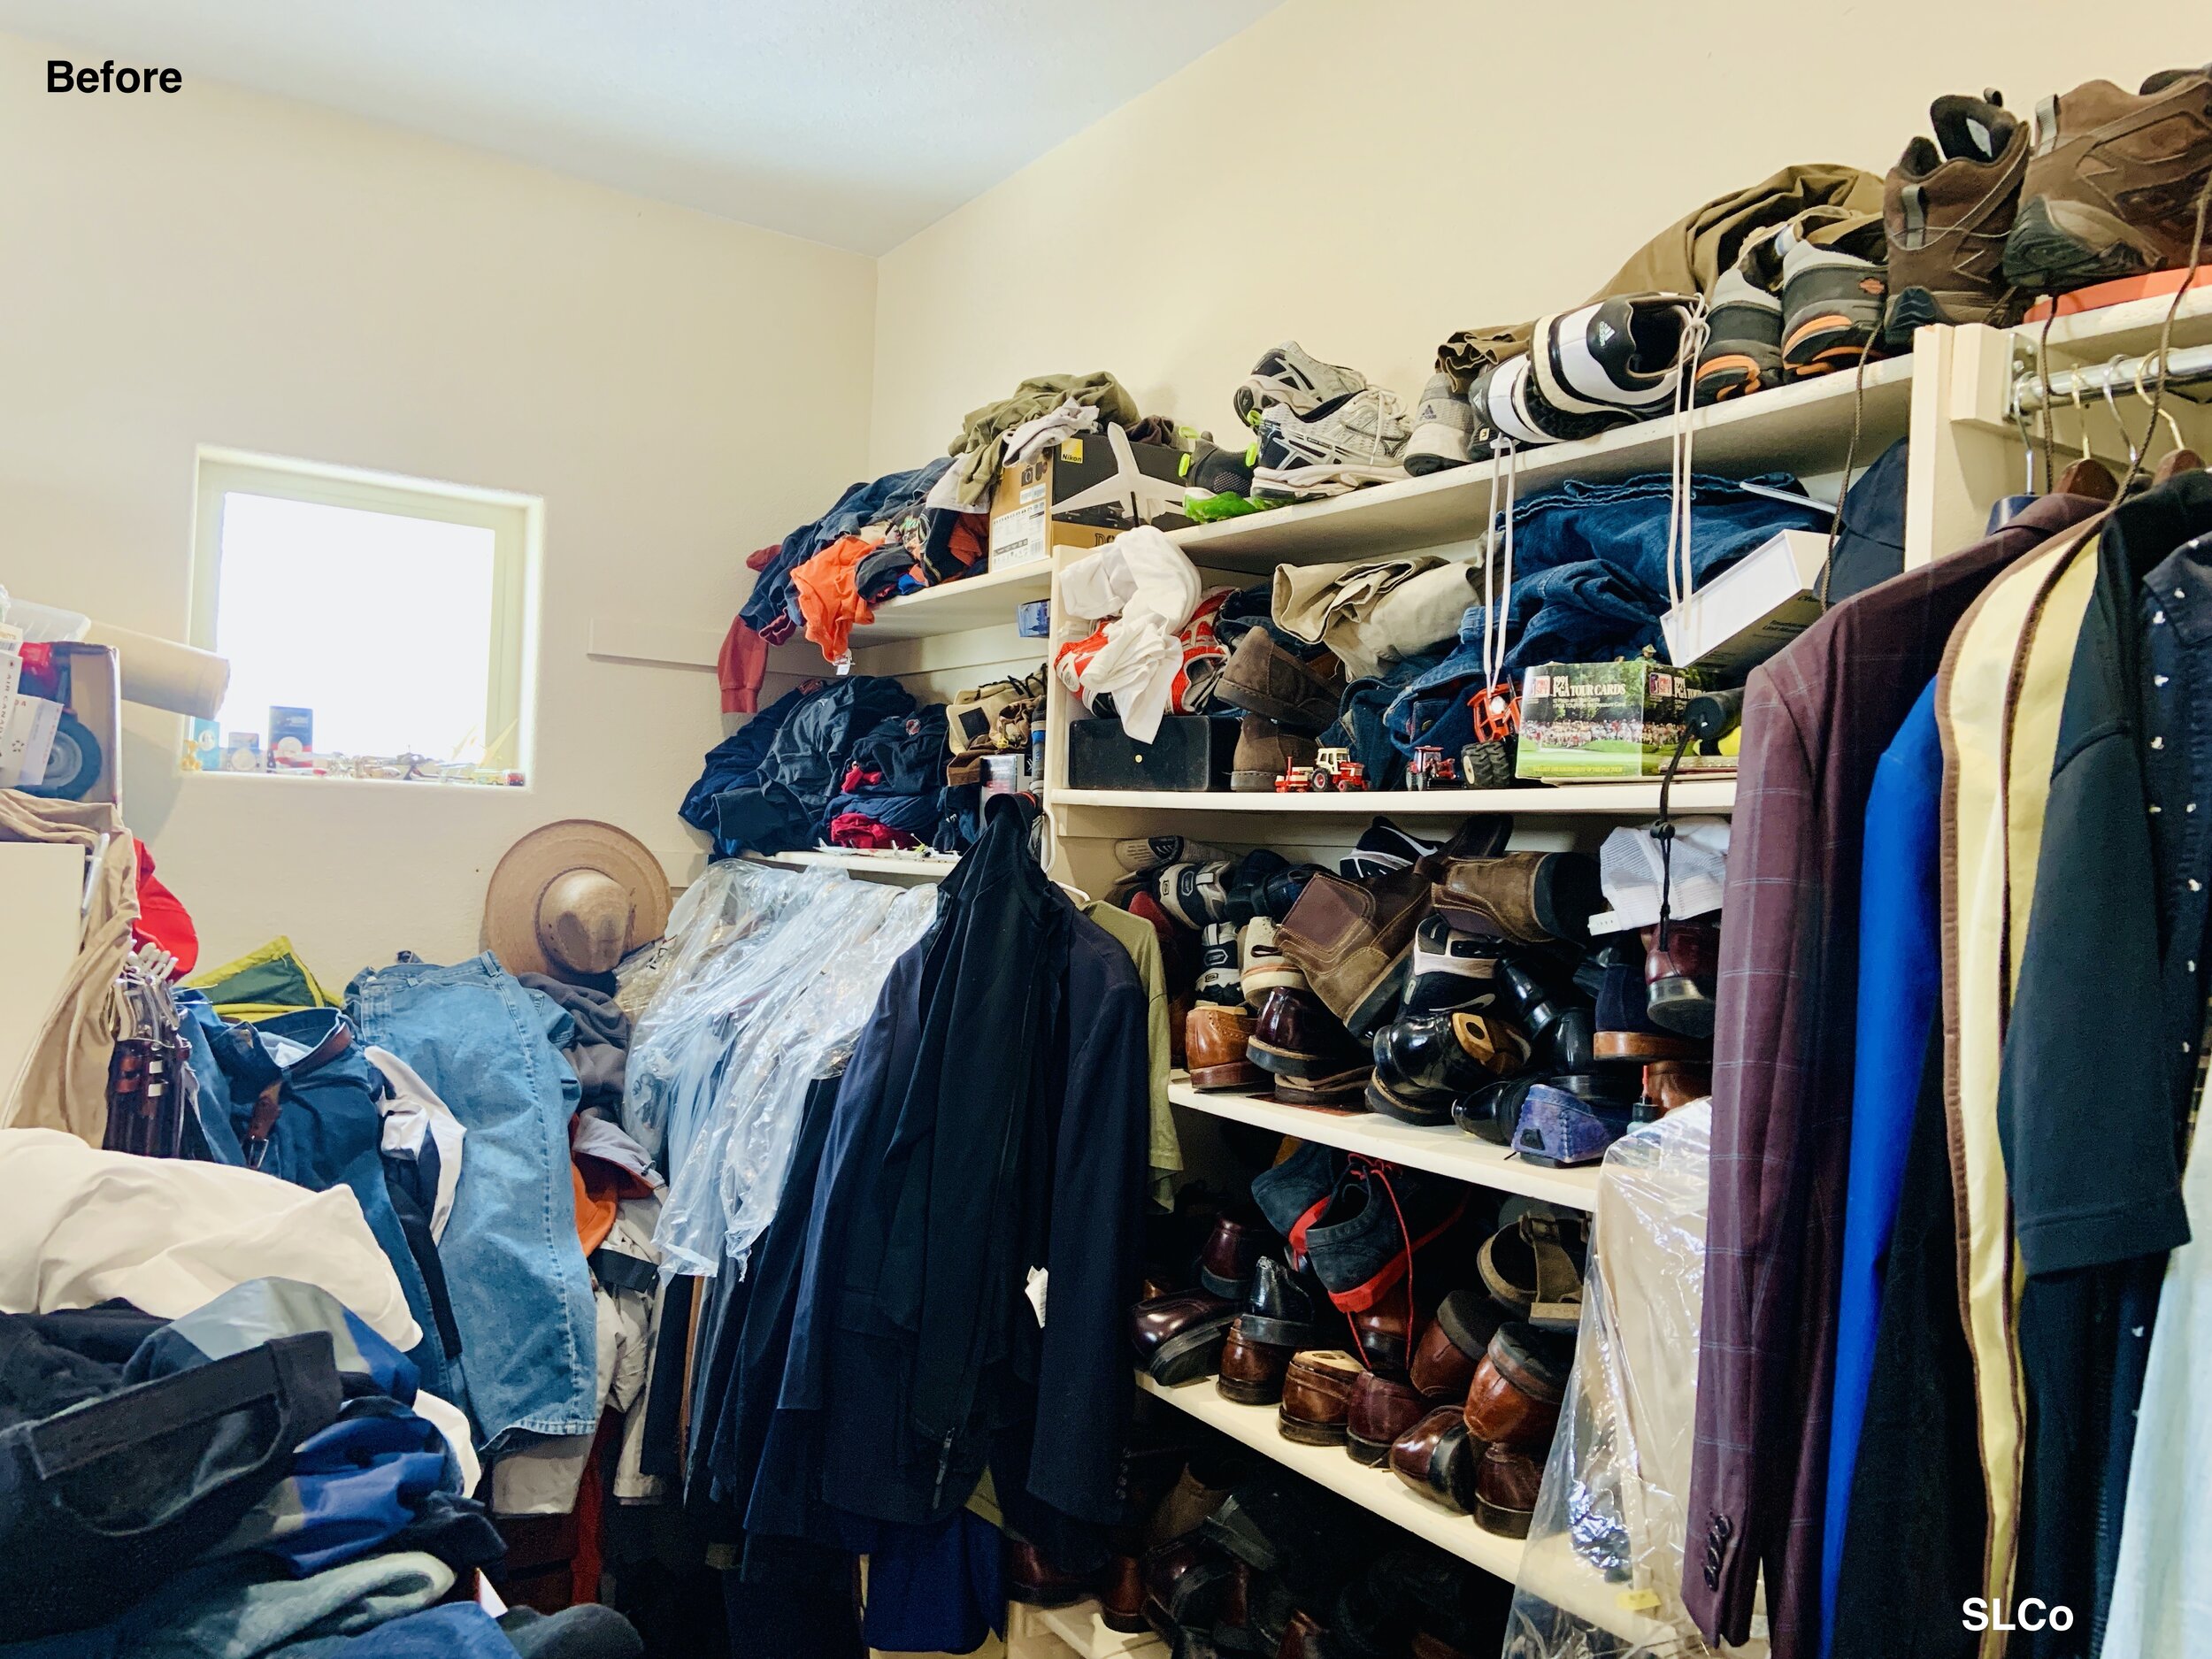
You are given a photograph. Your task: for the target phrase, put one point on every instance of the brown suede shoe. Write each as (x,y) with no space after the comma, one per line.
(1381,1409)
(1354,940)
(1317,1396)
(1215,1039)
(1189,1503)
(1531,898)
(1261,678)
(2113,181)
(1946,206)
(1506,1486)
(1265,751)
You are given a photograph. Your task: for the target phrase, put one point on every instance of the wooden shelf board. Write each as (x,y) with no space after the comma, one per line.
(1449,1151)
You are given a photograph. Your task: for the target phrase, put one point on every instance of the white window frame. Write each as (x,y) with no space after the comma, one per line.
(517,523)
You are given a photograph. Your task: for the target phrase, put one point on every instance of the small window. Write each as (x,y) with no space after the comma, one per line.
(394,611)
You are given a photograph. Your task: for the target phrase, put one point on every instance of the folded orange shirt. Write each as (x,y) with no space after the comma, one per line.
(829,603)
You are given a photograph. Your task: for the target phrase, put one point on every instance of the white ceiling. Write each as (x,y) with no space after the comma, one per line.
(851,122)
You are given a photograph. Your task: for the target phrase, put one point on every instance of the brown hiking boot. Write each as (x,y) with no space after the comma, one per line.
(1262,678)
(1265,751)
(1354,940)
(2113,182)
(1947,207)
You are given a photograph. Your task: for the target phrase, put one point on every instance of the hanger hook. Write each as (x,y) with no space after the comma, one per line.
(2135,455)
(2081,415)
(2173,426)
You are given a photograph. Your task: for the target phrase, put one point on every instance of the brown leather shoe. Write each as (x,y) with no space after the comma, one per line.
(1318,1396)
(2112,184)
(1337,1091)
(1381,1409)
(1178,1338)
(1265,751)
(1297,1039)
(1121,1594)
(1214,1042)
(1671,1083)
(1947,207)
(1232,1249)
(1438,1458)
(1452,1345)
(1382,1338)
(1354,940)
(1531,898)
(1513,1399)
(1306,1638)
(1505,1491)
(1198,1493)
(1185,1583)
(1035,1582)
(1301,692)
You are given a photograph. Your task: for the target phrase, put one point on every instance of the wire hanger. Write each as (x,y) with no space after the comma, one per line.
(2181,458)
(2088,476)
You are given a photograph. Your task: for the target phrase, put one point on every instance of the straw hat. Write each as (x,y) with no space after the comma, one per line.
(573,899)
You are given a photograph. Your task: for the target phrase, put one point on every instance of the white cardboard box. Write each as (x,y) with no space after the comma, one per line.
(1753,609)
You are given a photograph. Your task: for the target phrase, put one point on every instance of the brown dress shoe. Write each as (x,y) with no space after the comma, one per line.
(1178,1338)
(1262,678)
(1531,898)
(1514,1397)
(1381,1409)
(1264,752)
(1438,1458)
(1035,1582)
(1505,1491)
(1185,1583)
(1225,1266)
(1214,1042)
(1354,940)
(1276,1321)
(1669,1084)
(1317,1396)
(1452,1345)
(1121,1594)
(1295,1038)
(1306,1638)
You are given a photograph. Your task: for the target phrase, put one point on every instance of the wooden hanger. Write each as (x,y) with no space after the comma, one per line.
(2088,477)
(2174,464)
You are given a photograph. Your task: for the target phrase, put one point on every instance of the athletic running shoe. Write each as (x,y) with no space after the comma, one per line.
(1290,376)
(1832,290)
(1743,349)
(1382,847)
(1442,425)
(1947,206)
(2113,182)
(1354,440)
(1210,471)
(1599,366)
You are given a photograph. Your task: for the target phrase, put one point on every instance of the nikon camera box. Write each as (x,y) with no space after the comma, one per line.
(1587,722)
(1081,493)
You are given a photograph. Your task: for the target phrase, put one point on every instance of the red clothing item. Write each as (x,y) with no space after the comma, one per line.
(857,829)
(827,599)
(743,663)
(162,921)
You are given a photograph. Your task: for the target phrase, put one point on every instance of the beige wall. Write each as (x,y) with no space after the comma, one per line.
(1365,177)
(219,267)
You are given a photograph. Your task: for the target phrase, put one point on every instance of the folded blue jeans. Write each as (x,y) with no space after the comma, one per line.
(521,1293)
(1590,584)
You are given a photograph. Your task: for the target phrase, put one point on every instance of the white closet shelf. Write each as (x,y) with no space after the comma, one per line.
(986,600)
(1079,1628)
(1551,1569)
(1804,428)
(1635,798)
(1447,1150)
(1376,1490)
(863,862)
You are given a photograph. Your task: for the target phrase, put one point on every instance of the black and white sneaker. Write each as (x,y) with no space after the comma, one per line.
(1193,895)
(1381,849)
(1589,370)
(1210,471)
(1293,377)
(1342,445)
(1451,969)
(1220,975)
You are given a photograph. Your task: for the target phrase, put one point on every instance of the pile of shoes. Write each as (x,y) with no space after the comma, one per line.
(1322,431)
(1399,1315)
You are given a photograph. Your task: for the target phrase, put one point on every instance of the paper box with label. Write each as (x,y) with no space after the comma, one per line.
(1081,493)
(1753,609)
(1585,722)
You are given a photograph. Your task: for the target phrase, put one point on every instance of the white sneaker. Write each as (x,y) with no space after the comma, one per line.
(1443,426)
(1353,441)
(1291,376)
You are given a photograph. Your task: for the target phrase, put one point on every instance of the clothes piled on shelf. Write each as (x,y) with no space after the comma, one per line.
(890,795)
(768,788)
(1939,1228)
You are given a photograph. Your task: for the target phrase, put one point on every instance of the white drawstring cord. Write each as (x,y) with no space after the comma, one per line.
(1497,587)
(1681,582)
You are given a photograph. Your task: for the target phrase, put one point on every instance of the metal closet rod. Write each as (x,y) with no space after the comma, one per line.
(2185,365)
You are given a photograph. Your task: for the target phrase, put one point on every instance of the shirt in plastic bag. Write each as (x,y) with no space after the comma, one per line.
(1601,1575)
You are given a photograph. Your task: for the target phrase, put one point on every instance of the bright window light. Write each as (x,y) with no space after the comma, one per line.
(393,612)
(381,625)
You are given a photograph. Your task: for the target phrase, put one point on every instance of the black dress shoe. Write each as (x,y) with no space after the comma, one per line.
(1424,1061)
